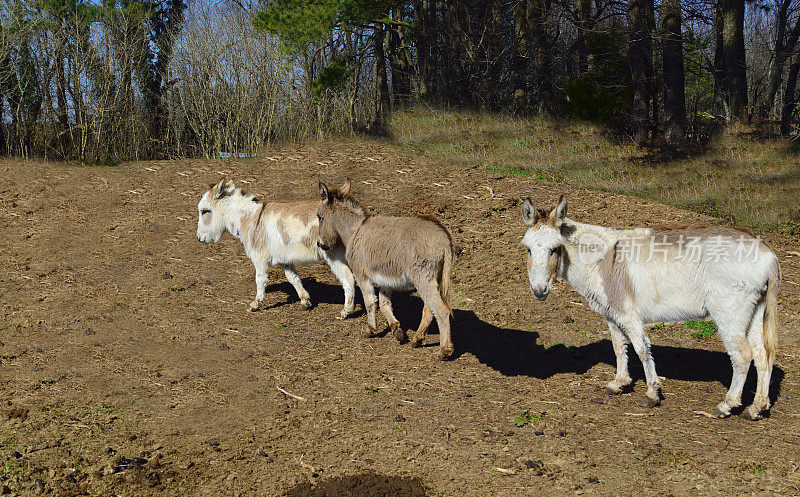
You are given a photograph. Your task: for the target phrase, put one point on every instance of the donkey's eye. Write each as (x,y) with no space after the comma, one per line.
(553,250)
(204,212)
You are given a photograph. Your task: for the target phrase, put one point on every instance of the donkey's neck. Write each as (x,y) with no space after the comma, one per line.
(347,223)
(587,246)
(238,209)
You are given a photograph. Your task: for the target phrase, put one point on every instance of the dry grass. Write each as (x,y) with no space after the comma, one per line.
(747,180)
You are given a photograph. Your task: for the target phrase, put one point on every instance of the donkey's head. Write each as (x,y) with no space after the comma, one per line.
(212,210)
(545,245)
(332,200)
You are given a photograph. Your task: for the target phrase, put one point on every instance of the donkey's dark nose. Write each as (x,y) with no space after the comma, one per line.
(539,293)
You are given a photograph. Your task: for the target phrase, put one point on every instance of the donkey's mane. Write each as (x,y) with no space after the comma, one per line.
(349,202)
(239,190)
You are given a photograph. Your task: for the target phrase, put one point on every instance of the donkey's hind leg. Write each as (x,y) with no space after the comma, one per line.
(385,302)
(425,322)
(732,332)
(755,336)
(429,291)
(291,274)
(620,343)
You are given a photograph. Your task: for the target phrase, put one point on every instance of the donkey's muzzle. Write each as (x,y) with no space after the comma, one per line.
(322,245)
(540,293)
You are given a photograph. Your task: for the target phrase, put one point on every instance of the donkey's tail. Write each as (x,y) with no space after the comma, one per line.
(770,328)
(444,282)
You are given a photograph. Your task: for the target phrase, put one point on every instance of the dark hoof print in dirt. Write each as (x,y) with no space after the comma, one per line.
(363,484)
(649,403)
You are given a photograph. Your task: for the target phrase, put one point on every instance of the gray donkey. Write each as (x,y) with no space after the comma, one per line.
(391,253)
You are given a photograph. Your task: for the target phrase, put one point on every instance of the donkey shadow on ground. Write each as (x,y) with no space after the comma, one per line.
(514,352)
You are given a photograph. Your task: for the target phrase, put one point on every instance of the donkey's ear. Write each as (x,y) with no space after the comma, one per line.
(560,212)
(345,188)
(528,212)
(324,193)
(220,188)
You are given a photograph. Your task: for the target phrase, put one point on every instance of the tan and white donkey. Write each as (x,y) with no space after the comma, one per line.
(637,276)
(273,233)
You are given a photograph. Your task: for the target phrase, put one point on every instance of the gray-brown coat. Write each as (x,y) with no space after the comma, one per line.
(391,253)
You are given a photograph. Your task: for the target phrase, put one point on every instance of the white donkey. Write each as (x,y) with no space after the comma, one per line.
(638,276)
(273,233)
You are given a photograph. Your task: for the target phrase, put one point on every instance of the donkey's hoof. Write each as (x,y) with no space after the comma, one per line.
(344,314)
(649,402)
(445,354)
(613,390)
(719,414)
(416,343)
(369,332)
(305,304)
(254,306)
(751,415)
(398,333)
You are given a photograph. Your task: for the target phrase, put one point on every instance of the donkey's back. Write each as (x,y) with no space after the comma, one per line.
(398,252)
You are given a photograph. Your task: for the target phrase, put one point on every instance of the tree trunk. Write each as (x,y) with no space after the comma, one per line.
(790,99)
(401,63)
(381,102)
(64,132)
(720,102)
(640,56)
(521,57)
(542,59)
(733,58)
(584,13)
(674,78)
(423,43)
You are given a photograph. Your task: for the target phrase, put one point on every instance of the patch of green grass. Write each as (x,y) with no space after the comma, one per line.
(526,418)
(573,350)
(704,330)
(658,327)
(790,228)
(738,177)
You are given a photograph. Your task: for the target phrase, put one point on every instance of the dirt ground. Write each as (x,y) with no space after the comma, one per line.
(131,367)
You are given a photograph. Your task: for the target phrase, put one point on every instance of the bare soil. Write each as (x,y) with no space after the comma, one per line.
(131,367)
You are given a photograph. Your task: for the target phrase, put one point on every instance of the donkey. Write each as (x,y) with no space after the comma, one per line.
(273,233)
(391,253)
(637,276)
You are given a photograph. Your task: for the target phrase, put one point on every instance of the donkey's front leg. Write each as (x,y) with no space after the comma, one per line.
(336,261)
(634,328)
(291,274)
(620,343)
(262,276)
(370,303)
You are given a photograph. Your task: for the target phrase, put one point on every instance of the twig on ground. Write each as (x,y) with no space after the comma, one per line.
(290,394)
